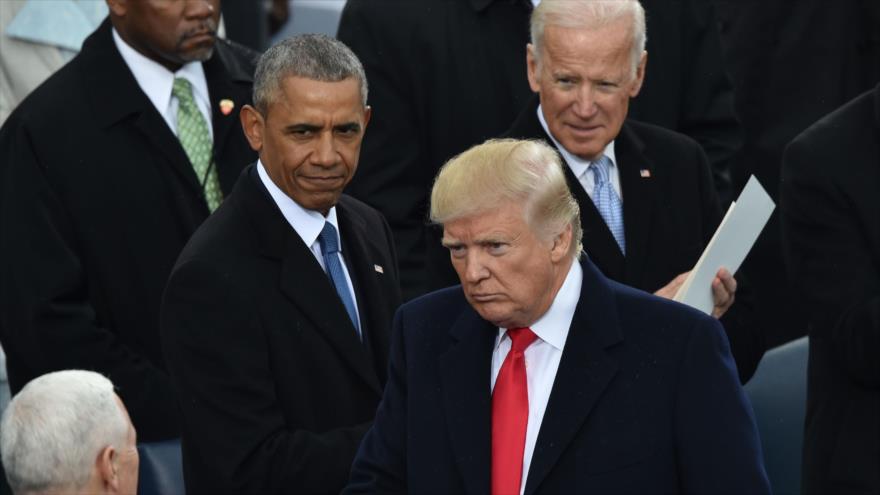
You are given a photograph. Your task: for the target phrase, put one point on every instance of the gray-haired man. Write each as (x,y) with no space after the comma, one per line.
(68,432)
(275,320)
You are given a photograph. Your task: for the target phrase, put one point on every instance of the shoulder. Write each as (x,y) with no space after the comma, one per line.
(237,58)
(359,211)
(849,125)
(656,138)
(646,318)
(434,314)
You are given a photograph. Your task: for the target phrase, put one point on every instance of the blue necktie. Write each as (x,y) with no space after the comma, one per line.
(607,201)
(330,249)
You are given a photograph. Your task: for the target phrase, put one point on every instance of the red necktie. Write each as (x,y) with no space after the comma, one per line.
(510,415)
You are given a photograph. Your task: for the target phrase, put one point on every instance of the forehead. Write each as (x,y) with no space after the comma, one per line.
(604,49)
(304,98)
(503,221)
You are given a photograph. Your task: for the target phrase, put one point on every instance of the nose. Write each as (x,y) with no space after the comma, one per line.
(585,102)
(475,270)
(200,9)
(325,154)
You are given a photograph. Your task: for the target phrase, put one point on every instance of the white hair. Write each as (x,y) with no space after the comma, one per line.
(55,427)
(589,14)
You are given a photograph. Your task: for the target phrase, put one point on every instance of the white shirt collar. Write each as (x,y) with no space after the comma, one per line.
(156,81)
(553,326)
(577,165)
(307,223)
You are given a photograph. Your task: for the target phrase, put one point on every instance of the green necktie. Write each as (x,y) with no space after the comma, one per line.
(192,131)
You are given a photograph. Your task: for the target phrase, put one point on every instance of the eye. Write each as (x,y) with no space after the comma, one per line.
(497,248)
(564,81)
(457,251)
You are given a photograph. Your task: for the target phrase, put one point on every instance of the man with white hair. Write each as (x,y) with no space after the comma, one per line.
(648,206)
(538,374)
(68,432)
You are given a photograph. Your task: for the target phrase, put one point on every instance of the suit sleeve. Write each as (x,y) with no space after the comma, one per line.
(48,317)
(380,464)
(829,260)
(392,175)
(235,436)
(717,444)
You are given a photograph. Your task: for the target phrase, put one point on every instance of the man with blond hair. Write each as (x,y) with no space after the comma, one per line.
(648,206)
(68,432)
(537,373)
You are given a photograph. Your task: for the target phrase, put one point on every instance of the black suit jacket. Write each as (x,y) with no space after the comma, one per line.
(97,198)
(831,232)
(448,74)
(670,212)
(275,388)
(645,400)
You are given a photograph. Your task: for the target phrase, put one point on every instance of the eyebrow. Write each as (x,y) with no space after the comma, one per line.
(349,126)
(302,128)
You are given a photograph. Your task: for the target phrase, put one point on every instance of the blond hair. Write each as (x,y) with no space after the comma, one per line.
(527,172)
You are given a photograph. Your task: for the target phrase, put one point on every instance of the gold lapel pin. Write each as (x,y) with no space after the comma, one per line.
(226,106)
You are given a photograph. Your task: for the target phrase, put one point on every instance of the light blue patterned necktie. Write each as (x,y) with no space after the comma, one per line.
(607,201)
(330,249)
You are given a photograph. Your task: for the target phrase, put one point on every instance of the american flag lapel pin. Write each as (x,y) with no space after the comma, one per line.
(645,173)
(379,269)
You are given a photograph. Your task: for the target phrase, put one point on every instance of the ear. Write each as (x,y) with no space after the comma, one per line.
(532,68)
(106,467)
(640,76)
(254,125)
(368,111)
(118,7)
(561,244)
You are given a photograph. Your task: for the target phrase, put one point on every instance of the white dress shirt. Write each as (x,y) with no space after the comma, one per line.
(580,167)
(308,224)
(156,81)
(542,357)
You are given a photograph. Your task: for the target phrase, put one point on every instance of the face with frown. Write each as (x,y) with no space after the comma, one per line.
(309,138)
(508,273)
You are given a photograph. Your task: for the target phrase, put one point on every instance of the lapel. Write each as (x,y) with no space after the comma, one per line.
(227,80)
(585,370)
(302,281)
(371,292)
(117,100)
(640,202)
(467,401)
(598,241)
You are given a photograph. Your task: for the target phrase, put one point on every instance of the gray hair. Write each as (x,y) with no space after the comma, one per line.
(525,172)
(589,14)
(55,427)
(313,56)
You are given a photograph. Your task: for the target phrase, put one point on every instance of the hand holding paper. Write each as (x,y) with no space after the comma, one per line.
(728,248)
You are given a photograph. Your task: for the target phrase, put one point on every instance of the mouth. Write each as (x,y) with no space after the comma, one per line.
(584,130)
(484,298)
(322,181)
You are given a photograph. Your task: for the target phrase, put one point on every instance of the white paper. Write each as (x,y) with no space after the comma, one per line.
(729,246)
